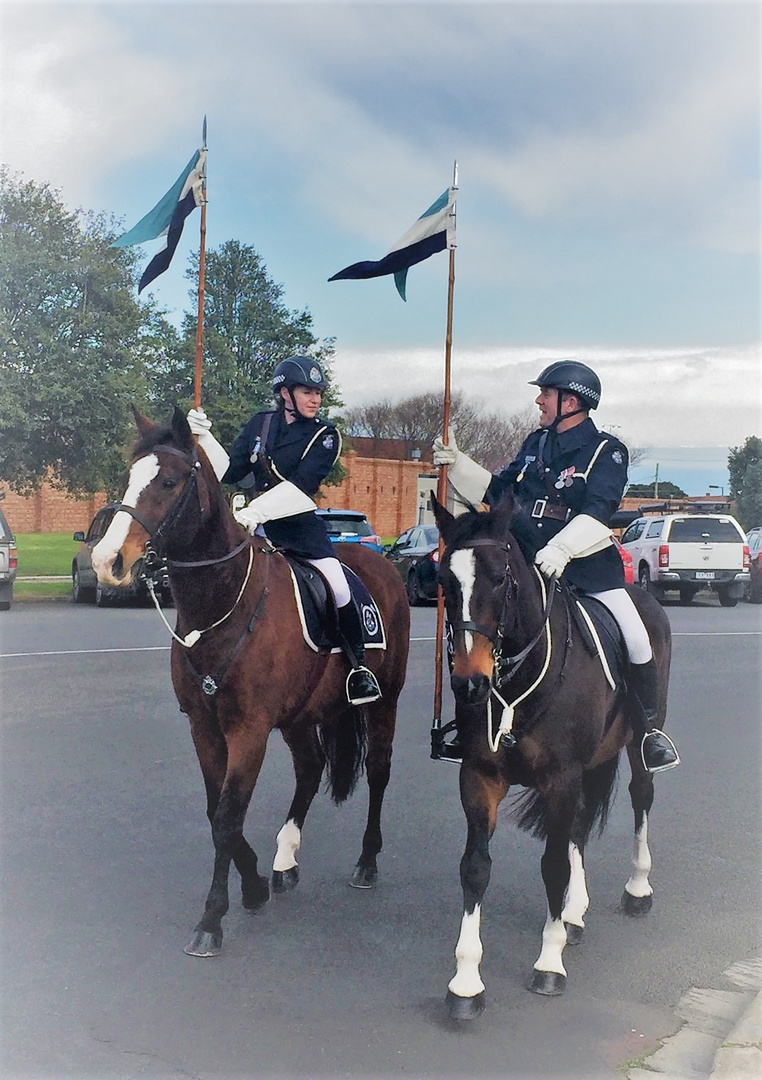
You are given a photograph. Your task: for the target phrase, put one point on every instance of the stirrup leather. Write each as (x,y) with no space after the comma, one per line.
(369,691)
(658,768)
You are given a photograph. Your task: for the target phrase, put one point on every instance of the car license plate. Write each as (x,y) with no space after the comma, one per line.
(705,575)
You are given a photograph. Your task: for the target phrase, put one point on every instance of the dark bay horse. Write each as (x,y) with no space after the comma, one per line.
(535,708)
(241,667)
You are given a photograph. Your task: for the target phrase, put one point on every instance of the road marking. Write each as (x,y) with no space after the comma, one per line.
(165,648)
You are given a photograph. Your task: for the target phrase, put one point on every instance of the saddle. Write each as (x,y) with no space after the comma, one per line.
(317,610)
(600,634)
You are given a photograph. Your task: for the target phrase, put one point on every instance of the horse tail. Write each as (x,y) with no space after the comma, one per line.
(531,810)
(344,742)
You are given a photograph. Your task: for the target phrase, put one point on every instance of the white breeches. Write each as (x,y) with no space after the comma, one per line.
(332,571)
(619,602)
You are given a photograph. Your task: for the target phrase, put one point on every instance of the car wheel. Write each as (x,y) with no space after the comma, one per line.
(102,598)
(644,580)
(687,595)
(726,599)
(754,593)
(5,605)
(413,592)
(79,594)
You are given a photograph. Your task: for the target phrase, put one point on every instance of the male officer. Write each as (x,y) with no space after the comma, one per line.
(570,478)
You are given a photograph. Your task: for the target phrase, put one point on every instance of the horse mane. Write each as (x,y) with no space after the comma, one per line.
(477,523)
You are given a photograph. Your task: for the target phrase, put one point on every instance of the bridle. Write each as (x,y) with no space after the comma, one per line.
(505,666)
(157,534)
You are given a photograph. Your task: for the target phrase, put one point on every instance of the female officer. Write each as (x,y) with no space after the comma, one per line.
(570,478)
(290,452)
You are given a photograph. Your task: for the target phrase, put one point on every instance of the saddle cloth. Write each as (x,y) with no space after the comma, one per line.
(604,640)
(317,612)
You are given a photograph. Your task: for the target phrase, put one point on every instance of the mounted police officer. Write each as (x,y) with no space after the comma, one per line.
(289,452)
(570,478)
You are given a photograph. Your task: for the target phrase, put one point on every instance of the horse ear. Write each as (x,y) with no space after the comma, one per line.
(444,519)
(181,429)
(503,513)
(144,425)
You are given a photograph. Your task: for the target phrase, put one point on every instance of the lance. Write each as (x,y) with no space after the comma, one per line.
(201,277)
(437,731)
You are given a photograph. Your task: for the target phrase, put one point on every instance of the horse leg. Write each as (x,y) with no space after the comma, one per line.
(637,897)
(549,977)
(382,716)
(577,896)
(480,797)
(243,768)
(309,762)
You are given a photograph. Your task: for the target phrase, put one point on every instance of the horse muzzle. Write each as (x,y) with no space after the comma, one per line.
(470,689)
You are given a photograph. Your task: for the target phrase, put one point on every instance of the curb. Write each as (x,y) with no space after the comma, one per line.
(721,1038)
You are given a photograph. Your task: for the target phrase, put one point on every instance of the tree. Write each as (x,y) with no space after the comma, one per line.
(666,490)
(491,438)
(73,343)
(745,468)
(247,330)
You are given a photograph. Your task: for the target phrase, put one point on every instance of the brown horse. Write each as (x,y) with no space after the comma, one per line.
(241,666)
(535,707)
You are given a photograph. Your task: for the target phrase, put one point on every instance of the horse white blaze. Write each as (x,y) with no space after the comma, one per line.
(638,884)
(107,549)
(553,942)
(289,841)
(463,566)
(467,982)
(577,897)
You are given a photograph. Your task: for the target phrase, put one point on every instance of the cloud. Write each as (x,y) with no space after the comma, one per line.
(652,397)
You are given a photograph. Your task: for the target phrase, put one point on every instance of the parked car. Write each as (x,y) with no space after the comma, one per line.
(627,562)
(754,588)
(8,563)
(689,552)
(85,587)
(349,527)
(416,555)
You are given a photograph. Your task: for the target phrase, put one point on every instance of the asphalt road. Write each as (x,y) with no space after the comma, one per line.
(106,861)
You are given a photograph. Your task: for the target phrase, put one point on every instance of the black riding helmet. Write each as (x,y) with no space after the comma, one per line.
(297,371)
(573,376)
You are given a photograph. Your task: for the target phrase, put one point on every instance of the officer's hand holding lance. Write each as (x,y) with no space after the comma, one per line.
(468,479)
(445,454)
(201,427)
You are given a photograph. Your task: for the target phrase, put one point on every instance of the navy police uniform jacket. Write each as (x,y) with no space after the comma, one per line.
(304,453)
(556,476)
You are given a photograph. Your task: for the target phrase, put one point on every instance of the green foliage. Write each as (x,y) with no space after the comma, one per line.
(666,490)
(247,330)
(745,468)
(73,343)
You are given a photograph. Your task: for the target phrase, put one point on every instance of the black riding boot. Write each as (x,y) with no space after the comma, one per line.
(362,685)
(657,750)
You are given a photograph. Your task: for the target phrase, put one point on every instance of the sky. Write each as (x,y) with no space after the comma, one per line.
(608,157)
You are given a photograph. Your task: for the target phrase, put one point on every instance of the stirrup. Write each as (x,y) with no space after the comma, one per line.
(668,765)
(443,751)
(367,691)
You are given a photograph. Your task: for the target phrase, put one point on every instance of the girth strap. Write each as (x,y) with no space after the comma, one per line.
(210,684)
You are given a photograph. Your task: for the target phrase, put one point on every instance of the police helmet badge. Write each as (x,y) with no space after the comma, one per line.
(315,374)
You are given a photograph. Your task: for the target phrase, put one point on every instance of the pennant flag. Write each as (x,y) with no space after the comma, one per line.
(433,231)
(168,217)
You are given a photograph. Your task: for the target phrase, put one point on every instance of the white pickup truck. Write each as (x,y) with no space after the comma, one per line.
(689,552)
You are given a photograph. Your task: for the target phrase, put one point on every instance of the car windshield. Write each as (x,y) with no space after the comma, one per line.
(338,525)
(704,530)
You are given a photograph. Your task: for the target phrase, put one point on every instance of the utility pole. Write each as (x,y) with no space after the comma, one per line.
(656,482)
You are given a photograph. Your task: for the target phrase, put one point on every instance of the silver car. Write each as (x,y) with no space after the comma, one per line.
(8,563)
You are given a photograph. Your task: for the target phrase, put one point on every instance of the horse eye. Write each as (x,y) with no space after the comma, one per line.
(169,482)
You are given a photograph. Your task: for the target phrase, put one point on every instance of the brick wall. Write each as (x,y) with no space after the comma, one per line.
(49,510)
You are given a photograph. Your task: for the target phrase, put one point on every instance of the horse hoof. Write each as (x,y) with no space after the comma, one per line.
(636,905)
(465,1008)
(547,983)
(574,933)
(285,880)
(364,877)
(204,943)
(255,894)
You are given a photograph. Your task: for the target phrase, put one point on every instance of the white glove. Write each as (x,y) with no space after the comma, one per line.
(583,536)
(199,422)
(445,454)
(201,426)
(469,480)
(552,560)
(282,501)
